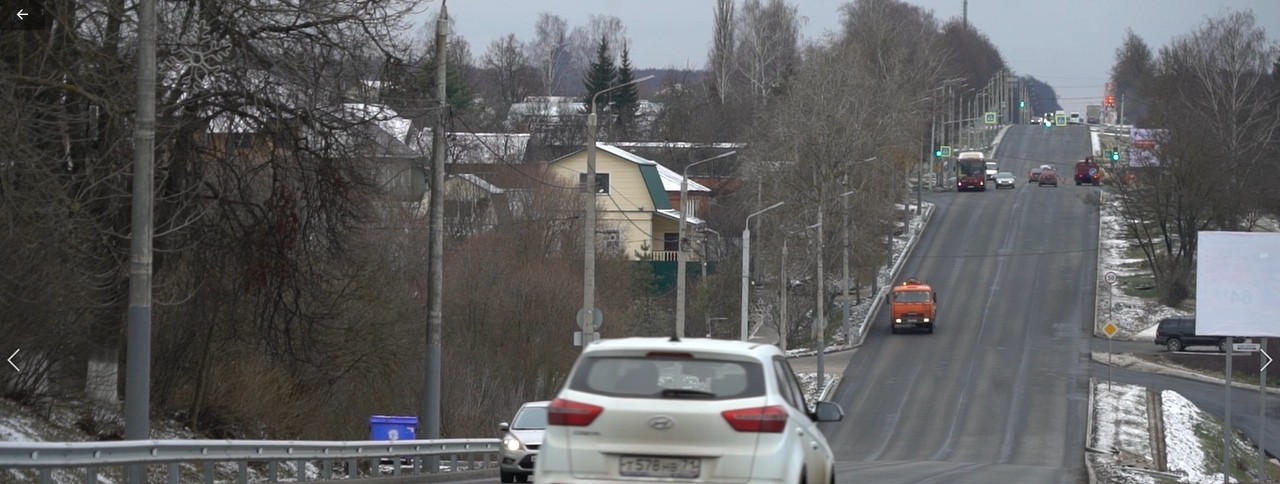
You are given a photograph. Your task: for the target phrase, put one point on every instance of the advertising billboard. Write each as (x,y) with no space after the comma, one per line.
(1144,146)
(1238,284)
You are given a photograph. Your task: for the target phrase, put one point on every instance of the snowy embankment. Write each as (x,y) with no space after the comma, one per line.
(1120,447)
(1135,317)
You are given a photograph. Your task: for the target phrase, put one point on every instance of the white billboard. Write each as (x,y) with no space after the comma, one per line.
(1238,284)
(1144,145)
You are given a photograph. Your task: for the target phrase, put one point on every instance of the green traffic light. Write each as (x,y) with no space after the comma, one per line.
(1022,104)
(937,154)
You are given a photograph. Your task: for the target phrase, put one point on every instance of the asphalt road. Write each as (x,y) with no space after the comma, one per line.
(999,392)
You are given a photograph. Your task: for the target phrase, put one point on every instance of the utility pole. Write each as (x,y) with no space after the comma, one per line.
(429,421)
(821,323)
(966,15)
(137,396)
(1121,120)
(844,282)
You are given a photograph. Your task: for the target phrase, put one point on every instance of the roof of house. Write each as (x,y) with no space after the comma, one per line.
(479,182)
(670,179)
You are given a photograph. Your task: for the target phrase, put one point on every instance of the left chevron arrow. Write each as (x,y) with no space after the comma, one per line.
(10,360)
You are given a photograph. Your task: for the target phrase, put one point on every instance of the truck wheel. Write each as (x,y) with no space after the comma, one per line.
(1222,345)
(930,328)
(893,329)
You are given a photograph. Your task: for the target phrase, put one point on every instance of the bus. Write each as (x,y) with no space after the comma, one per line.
(971,174)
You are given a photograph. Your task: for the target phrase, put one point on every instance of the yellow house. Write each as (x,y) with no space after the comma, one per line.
(634,212)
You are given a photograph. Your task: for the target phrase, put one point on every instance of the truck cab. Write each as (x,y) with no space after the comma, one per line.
(1088,171)
(912,305)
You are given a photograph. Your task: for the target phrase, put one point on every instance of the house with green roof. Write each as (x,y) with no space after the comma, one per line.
(634,203)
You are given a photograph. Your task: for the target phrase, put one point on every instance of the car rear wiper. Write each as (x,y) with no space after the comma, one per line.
(686,393)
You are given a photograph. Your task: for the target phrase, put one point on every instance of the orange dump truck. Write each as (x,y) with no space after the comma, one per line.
(912,305)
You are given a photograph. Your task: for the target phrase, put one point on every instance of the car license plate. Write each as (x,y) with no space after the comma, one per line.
(679,467)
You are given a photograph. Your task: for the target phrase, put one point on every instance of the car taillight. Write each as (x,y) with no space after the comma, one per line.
(771,419)
(571,413)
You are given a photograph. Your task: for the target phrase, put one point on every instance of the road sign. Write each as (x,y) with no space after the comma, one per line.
(1060,120)
(1110,329)
(1246,347)
(989,118)
(1264,365)
(577,338)
(946,151)
(1110,277)
(597,318)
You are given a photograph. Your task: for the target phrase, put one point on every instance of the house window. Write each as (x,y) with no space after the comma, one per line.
(612,240)
(671,241)
(602,182)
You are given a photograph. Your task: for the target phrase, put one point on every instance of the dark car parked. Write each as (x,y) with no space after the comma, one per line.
(1179,333)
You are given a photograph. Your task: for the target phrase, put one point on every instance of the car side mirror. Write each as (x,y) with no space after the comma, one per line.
(504,426)
(827,412)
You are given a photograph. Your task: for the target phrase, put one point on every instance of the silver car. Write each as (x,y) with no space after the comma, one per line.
(521,440)
(1004,179)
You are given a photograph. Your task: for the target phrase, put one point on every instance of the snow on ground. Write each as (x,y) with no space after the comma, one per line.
(812,392)
(1183,450)
(1120,447)
(1136,317)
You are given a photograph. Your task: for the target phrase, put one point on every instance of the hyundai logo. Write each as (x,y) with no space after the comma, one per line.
(662,422)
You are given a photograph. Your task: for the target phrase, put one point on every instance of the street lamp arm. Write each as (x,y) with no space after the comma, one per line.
(716,157)
(771,207)
(611,88)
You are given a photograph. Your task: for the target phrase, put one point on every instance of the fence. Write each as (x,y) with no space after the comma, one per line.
(327,458)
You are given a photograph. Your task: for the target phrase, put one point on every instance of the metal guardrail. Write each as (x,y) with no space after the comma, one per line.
(344,458)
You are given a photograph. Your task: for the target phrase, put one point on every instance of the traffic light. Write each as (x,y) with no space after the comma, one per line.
(937,153)
(1022,104)
(1115,154)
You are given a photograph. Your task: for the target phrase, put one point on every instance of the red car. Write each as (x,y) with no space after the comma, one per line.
(1048,177)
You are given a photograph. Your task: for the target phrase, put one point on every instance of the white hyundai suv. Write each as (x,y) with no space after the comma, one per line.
(692,410)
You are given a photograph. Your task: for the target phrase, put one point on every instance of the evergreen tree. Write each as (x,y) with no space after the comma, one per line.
(626,100)
(601,75)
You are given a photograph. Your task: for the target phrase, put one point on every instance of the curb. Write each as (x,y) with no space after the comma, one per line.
(830,389)
(1088,434)
(421,478)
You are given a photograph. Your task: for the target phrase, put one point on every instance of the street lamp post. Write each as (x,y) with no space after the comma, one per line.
(746,267)
(589,231)
(681,255)
(848,331)
(785,285)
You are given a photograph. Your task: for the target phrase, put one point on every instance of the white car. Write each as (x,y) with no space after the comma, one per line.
(992,169)
(520,441)
(1004,179)
(692,410)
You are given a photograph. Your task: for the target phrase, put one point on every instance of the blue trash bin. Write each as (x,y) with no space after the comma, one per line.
(390,427)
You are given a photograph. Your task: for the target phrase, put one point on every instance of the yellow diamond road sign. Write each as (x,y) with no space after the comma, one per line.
(1110,329)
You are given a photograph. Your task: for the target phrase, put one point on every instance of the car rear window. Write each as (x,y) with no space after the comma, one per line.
(530,418)
(669,377)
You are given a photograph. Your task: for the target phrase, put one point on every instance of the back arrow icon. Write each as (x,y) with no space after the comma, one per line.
(10,360)
(21,14)
(1264,365)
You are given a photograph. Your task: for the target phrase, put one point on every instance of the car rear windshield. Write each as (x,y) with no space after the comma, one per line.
(530,418)
(911,296)
(669,377)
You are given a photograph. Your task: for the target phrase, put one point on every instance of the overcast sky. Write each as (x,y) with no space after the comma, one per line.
(1069,44)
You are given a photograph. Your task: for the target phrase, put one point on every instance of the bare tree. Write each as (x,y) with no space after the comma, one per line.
(1209,94)
(1131,70)
(721,57)
(584,40)
(768,37)
(507,63)
(549,50)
